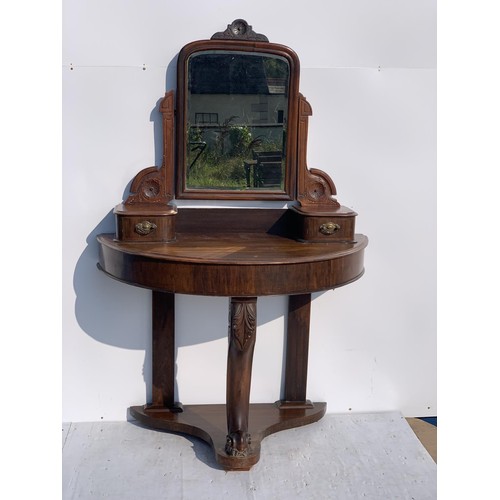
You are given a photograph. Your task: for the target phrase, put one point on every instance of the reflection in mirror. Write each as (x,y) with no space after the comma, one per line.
(237,107)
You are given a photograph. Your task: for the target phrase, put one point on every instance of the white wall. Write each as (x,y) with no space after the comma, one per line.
(368,68)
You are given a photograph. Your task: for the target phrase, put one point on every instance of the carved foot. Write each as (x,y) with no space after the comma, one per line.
(238,444)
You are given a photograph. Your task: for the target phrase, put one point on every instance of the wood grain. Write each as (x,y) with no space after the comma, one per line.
(233,265)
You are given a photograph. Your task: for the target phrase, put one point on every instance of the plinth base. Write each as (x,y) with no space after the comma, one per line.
(209,422)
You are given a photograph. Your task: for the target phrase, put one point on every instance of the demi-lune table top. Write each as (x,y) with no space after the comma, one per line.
(233,264)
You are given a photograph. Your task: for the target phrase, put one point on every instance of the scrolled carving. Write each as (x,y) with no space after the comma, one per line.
(239,29)
(319,189)
(147,187)
(315,187)
(154,185)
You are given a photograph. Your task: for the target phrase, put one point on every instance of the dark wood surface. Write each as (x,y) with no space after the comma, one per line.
(297,347)
(242,333)
(233,264)
(208,422)
(235,220)
(163,326)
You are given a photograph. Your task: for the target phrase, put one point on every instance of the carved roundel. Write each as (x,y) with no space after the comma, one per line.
(151,188)
(239,27)
(316,190)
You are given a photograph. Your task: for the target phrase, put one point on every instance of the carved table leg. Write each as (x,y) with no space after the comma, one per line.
(242,330)
(163,353)
(297,350)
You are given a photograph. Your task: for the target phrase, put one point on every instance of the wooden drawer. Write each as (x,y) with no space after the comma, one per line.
(337,226)
(147,226)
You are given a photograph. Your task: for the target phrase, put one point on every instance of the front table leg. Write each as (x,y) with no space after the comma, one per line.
(242,331)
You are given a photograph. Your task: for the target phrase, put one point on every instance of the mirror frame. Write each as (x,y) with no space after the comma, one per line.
(230,45)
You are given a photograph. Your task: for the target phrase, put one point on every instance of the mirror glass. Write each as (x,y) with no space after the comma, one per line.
(236,121)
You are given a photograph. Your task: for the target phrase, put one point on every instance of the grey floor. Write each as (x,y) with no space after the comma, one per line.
(354,456)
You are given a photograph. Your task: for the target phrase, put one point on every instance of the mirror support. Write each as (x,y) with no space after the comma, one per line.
(314,214)
(148,213)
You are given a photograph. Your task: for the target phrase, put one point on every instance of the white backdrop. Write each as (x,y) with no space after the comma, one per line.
(368,68)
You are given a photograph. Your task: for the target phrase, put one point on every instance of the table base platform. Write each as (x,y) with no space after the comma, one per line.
(209,422)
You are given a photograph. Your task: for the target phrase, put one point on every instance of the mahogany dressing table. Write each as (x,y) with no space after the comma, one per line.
(239,132)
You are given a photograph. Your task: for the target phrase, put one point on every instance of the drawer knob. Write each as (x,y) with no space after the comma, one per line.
(145,227)
(328,228)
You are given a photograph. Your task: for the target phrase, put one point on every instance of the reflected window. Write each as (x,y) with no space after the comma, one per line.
(210,118)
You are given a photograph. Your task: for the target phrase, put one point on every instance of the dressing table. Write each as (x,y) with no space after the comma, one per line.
(236,131)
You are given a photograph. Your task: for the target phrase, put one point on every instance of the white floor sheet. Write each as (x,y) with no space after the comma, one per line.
(348,456)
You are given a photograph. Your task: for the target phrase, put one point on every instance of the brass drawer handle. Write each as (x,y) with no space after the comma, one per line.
(145,227)
(329,228)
